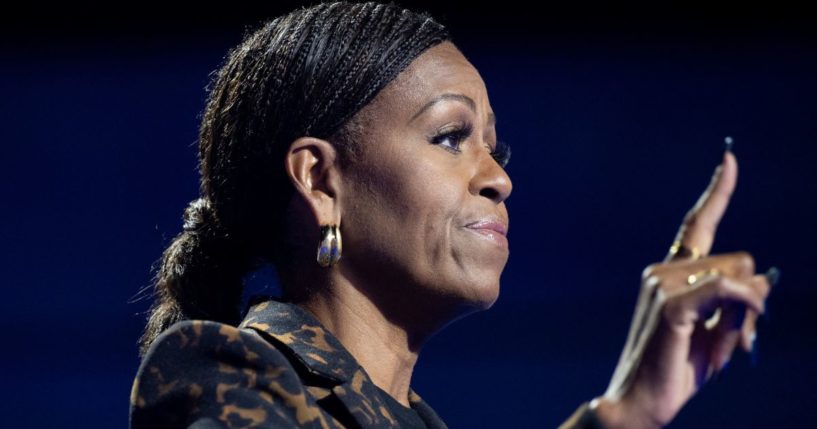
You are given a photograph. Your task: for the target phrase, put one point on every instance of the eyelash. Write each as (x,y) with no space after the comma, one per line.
(502,153)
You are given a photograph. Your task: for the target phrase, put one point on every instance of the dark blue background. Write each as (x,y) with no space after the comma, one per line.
(616,120)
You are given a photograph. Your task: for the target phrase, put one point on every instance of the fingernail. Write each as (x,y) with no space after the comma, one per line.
(773,274)
(718,375)
(712,374)
(727,143)
(753,355)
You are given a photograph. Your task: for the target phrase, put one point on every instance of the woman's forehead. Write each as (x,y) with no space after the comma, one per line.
(440,70)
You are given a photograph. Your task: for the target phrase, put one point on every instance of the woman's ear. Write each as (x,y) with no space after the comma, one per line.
(311,165)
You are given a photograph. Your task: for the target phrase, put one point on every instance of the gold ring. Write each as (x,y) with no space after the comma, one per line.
(678,249)
(693,278)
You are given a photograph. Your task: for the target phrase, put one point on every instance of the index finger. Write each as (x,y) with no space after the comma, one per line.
(701,222)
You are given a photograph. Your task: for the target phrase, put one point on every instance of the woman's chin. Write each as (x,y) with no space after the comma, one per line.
(481,297)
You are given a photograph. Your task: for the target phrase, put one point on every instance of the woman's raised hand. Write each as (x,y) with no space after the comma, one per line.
(692,311)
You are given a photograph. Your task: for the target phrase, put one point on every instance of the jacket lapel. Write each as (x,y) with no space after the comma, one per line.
(429,416)
(320,354)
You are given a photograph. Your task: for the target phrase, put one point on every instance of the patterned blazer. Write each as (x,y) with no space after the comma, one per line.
(280,368)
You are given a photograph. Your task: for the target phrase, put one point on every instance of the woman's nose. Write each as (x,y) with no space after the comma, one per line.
(491,180)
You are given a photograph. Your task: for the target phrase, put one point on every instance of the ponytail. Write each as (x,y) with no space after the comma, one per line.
(200,276)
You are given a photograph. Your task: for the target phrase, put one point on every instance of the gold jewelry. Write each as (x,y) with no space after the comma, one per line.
(693,278)
(678,249)
(330,247)
(713,320)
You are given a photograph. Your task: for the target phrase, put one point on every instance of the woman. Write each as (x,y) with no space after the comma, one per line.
(362,130)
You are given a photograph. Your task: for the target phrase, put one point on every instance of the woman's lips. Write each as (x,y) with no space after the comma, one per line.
(492,230)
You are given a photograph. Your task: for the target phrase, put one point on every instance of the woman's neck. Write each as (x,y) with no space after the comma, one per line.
(384,349)
(383,322)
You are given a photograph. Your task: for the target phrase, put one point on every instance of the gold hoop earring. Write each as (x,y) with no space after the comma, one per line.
(330,247)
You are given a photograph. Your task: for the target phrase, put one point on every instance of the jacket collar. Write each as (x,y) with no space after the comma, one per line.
(322,355)
(320,352)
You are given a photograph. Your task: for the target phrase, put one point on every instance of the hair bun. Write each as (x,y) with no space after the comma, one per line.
(197,215)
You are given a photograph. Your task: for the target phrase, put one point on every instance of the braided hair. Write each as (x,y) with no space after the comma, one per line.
(306,73)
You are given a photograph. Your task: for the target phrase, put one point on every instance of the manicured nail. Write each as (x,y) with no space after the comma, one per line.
(727,143)
(773,274)
(710,371)
(753,354)
(718,375)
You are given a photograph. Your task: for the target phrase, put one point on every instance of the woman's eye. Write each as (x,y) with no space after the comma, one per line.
(451,140)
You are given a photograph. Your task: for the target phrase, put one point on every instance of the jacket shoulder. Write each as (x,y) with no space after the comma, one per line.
(201,373)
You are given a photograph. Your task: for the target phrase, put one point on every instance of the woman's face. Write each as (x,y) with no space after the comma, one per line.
(423,211)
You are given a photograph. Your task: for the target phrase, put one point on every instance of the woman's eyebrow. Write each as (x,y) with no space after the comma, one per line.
(456,97)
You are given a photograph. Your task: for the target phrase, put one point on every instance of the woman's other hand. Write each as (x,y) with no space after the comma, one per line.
(692,312)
